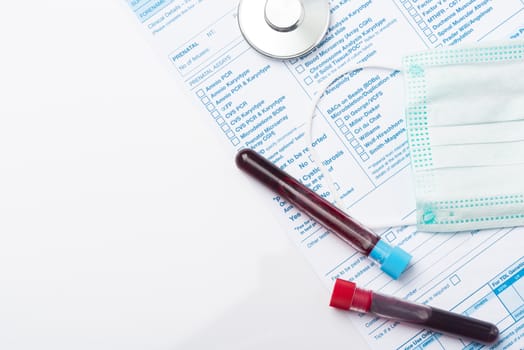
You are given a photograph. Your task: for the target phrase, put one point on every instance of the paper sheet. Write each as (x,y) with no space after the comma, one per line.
(359,132)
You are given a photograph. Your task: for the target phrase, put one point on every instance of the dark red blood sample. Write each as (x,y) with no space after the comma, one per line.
(361,238)
(347,296)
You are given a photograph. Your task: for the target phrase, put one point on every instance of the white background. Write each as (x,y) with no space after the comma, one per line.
(124,223)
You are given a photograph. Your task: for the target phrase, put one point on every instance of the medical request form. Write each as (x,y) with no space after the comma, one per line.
(359,133)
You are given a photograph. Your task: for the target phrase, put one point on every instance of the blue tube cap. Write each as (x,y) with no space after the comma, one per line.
(393,260)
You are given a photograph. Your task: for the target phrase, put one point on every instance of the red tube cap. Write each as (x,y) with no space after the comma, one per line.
(347,296)
(343,293)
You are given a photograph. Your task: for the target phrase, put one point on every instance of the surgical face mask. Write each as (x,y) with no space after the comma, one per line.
(465,121)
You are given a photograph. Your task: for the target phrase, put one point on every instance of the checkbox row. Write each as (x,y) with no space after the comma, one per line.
(344,129)
(390,236)
(352,141)
(207,103)
(235,141)
(220,121)
(202,96)
(455,279)
(229,133)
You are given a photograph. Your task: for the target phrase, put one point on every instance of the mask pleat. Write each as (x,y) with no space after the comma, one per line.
(470,182)
(477,93)
(478,155)
(508,131)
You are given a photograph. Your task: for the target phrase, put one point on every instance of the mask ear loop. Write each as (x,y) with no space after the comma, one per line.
(314,154)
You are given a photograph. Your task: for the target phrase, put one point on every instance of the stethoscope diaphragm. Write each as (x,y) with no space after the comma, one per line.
(283,28)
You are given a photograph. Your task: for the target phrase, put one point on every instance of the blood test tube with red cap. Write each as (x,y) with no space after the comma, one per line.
(347,296)
(393,260)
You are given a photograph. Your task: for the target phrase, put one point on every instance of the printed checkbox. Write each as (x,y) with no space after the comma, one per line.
(364,157)
(308,81)
(344,129)
(225,127)
(210,107)
(215,114)
(354,142)
(339,122)
(337,186)
(293,60)
(220,121)
(454,280)
(300,68)
(408,5)
(200,93)
(390,236)
(417,19)
(433,38)
(205,100)
(359,150)
(412,11)
(422,25)
(311,159)
(230,134)
(235,141)
(427,32)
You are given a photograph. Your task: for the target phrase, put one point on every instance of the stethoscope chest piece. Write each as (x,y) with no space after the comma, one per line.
(283,28)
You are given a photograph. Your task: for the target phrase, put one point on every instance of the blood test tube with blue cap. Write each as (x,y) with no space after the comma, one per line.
(347,296)
(393,260)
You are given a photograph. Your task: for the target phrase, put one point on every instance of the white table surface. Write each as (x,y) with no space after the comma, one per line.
(124,223)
